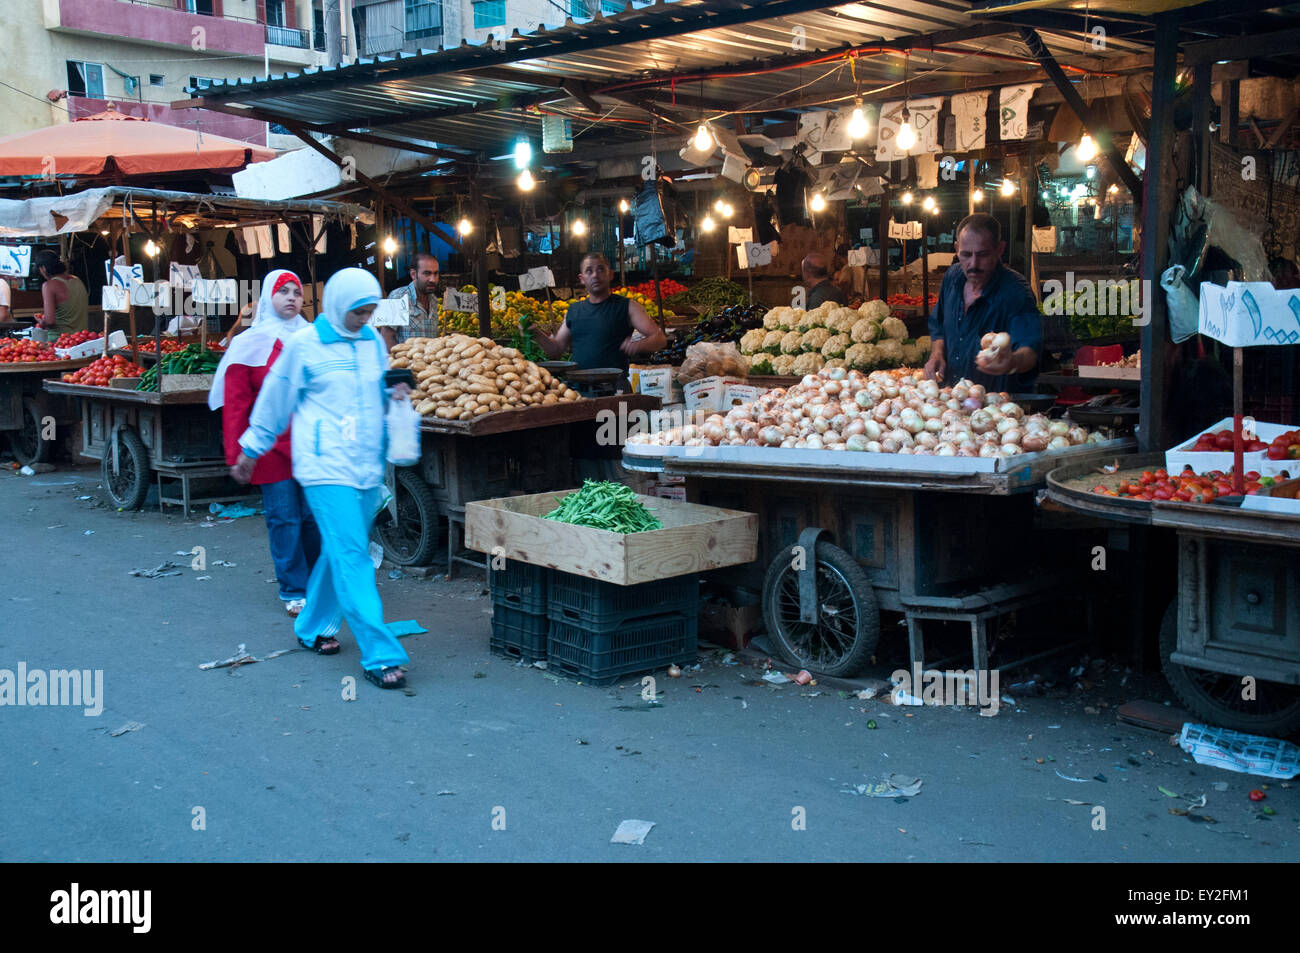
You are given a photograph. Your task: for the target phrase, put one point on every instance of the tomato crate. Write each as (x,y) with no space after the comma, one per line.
(604,606)
(520,586)
(517,634)
(604,657)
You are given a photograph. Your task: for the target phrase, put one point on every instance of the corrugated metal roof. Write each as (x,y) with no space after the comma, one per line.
(472,96)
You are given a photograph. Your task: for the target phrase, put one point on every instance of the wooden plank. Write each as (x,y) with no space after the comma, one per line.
(125,396)
(694,539)
(504,421)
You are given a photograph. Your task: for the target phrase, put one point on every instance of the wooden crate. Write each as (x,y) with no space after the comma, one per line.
(694,538)
(172,383)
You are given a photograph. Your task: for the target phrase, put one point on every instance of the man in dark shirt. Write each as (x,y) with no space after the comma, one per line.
(599,328)
(817,279)
(979,294)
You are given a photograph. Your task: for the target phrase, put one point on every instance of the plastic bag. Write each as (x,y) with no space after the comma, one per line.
(403,424)
(1184,307)
(1202,224)
(712,360)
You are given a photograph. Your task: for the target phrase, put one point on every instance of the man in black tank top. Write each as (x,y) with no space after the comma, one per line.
(598,329)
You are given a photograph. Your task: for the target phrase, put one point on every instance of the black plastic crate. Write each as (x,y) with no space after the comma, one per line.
(519,635)
(604,606)
(603,657)
(520,586)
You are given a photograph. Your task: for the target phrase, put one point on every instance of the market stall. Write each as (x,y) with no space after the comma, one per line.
(862,142)
(28,417)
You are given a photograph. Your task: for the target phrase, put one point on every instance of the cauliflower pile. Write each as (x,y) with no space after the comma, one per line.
(795,341)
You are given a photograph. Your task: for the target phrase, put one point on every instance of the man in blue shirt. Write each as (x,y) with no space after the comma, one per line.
(979,294)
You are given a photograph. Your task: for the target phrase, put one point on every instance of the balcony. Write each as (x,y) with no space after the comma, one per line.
(287,36)
(157,26)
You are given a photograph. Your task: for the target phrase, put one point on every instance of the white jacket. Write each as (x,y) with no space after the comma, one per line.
(332,390)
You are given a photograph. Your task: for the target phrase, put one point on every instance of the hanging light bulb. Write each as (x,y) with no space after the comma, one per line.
(1113,190)
(818,202)
(523,153)
(579,227)
(1090,171)
(1086,150)
(977,196)
(525,181)
(728,210)
(465,226)
(928,203)
(906,138)
(623,206)
(1008,188)
(707,224)
(150,248)
(103,231)
(858,125)
(935,210)
(703,141)
(390,245)
(907,198)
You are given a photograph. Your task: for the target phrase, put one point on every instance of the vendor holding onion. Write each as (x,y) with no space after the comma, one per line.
(986,327)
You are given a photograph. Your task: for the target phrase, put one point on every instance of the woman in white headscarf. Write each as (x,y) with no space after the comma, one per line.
(295,542)
(330,383)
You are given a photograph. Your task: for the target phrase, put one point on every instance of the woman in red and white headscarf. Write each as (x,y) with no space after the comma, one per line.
(294,538)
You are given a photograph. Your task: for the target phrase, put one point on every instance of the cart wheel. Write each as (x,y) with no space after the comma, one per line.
(129,486)
(26,443)
(848,625)
(416,536)
(1216,697)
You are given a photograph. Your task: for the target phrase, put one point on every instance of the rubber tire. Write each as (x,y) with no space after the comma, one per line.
(19,446)
(132,453)
(1193,696)
(413,498)
(867,632)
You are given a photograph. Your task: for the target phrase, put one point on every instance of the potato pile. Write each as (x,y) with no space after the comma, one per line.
(460,377)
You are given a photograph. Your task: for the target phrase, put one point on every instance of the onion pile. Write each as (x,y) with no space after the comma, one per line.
(884,412)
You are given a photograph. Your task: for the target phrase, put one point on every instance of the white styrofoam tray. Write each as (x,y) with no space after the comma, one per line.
(1182,455)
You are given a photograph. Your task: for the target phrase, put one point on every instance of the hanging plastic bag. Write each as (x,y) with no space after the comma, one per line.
(403,423)
(1184,307)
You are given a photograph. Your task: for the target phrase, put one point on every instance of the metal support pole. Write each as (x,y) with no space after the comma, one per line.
(1155,231)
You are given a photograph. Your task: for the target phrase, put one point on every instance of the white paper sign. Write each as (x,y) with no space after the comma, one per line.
(144,294)
(215,291)
(15,260)
(121,276)
(1249,313)
(535,278)
(455,300)
(905,231)
(757,254)
(969,110)
(497,296)
(857,256)
(1013,110)
(114,298)
(184,275)
(1045,239)
(392,313)
(738,236)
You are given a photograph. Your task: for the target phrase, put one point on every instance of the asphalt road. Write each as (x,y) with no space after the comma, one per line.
(487,760)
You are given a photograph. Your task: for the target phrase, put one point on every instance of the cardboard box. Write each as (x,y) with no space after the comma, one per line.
(667,417)
(728,625)
(656,381)
(92,348)
(708,393)
(737,394)
(1182,455)
(677,493)
(171,383)
(1111,373)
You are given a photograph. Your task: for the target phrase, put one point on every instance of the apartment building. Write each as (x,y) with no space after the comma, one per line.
(390,26)
(67,58)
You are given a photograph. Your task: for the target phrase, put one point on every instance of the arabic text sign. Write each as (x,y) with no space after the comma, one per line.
(184,275)
(906,231)
(122,276)
(455,300)
(114,298)
(737,236)
(392,313)
(758,254)
(535,278)
(1249,314)
(15,260)
(215,291)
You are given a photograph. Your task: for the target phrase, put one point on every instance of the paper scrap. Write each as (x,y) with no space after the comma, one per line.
(632,832)
(129,726)
(893,785)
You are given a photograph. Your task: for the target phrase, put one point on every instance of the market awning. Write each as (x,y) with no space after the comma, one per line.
(677,60)
(67,214)
(113,141)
